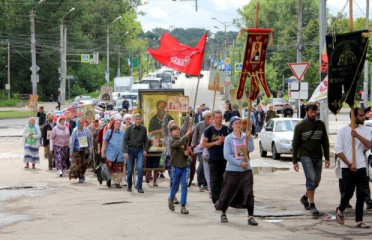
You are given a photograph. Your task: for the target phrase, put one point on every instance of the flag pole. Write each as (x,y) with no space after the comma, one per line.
(352,106)
(246,152)
(196,95)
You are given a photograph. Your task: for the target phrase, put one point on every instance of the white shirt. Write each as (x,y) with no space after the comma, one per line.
(343,144)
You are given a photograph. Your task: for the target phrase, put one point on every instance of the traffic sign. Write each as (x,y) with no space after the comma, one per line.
(227,80)
(227,61)
(299,69)
(238,67)
(37,68)
(227,68)
(299,90)
(85,58)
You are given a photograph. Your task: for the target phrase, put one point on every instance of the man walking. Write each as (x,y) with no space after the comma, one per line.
(310,143)
(214,137)
(125,104)
(354,176)
(199,130)
(135,148)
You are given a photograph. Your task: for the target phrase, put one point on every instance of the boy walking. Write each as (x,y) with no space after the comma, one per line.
(180,166)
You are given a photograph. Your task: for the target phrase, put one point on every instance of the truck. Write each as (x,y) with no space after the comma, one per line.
(123,84)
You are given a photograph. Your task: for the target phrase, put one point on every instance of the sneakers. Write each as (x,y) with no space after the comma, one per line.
(140,191)
(314,211)
(184,210)
(201,188)
(60,173)
(124,183)
(369,205)
(305,202)
(129,189)
(171,205)
(252,222)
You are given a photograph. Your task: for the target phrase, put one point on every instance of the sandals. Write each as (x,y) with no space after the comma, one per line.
(224,218)
(340,218)
(362,225)
(252,222)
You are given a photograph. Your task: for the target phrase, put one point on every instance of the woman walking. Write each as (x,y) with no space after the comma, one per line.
(112,151)
(31,135)
(59,143)
(95,156)
(237,187)
(79,151)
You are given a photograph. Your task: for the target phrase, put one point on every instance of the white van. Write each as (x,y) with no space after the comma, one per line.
(138,86)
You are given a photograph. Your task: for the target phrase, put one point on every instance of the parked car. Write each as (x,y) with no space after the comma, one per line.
(277,136)
(131,95)
(119,105)
(84,100)
(153,82)
(191,76)
(138,86)
(102,104)
(278,104)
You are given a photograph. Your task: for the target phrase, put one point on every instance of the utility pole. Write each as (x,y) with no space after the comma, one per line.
(299,44)
(299,32)
(139,65)
(61,51)
(107,56)
(33,54)
(118,73)
(365,84)
(64,72)
(322,45)
(8,70)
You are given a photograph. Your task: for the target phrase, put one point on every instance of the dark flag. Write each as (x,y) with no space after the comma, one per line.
(254,63)
(346,56)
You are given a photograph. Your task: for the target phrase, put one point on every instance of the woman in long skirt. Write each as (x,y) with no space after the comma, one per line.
(237,187)
(31,135)
(59,143)
(79,151)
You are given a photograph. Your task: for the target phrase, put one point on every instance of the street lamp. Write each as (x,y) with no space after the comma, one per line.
(107,73)
(225,24)
(63,61)
(34,68)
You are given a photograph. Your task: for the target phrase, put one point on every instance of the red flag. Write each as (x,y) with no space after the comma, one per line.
(179,56)
(254,63)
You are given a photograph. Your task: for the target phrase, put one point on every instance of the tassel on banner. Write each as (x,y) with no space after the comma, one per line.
(271,43)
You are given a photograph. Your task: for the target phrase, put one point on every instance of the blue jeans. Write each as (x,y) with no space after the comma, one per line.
(313,171)
(135,154)
(179,175)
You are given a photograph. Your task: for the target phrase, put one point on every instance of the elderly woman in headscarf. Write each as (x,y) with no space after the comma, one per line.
(79,151)
(112,150)
(59,143)
(127,121)
(237,187)
(94,130)
(31,135)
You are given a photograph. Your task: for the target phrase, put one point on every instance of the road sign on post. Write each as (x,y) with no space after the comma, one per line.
(238,67)
(227,68)
(299,69)
(85,58)
(299,90)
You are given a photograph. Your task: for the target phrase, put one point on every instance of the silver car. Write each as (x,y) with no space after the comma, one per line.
(277,136)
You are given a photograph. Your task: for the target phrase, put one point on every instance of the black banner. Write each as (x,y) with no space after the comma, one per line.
(346,56)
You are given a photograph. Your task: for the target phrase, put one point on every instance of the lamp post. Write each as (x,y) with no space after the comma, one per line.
(63,61)
(34,68)
(225,24)
(107,74)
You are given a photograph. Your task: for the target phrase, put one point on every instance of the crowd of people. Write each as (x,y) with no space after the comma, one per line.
(115,145)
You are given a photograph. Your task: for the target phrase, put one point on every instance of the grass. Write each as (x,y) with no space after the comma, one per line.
(16,114)
(8,103)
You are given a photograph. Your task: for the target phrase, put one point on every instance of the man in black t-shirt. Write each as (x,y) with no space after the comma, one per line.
(214,137)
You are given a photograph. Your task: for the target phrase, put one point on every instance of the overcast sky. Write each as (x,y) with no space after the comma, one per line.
(181,13)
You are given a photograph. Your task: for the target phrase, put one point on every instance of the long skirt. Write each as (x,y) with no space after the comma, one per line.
(237,191)
(79,164)
(114,167)
(31,154)
(60,155)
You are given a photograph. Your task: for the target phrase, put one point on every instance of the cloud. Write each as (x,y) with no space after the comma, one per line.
(158,13)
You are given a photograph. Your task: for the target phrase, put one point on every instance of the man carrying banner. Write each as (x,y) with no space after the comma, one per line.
(354,176)
(310,142)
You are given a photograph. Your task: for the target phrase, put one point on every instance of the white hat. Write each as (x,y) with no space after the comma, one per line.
(96,117)
(118,117)
(126,116)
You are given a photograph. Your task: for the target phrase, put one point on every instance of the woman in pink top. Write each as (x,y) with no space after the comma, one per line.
(59,143)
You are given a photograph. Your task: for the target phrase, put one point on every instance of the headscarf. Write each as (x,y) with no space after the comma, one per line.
(61,126)
(232,120)
(78,125)
(33,126)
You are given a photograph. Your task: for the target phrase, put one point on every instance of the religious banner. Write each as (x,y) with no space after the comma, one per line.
(346,56)
(32,101)
(321,91)
(216,80)
(243,102)
(179,56)
(254,63)
(106,93)
(178,103)
(89,112)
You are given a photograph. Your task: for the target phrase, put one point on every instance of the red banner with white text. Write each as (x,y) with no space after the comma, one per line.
(179,56)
